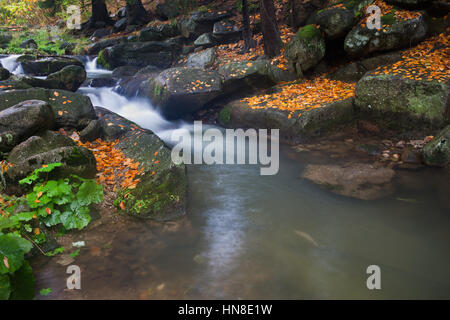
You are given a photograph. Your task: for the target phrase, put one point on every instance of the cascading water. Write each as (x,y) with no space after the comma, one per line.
(10,63)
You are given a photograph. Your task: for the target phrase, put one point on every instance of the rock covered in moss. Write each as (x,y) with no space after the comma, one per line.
(70,110)
(161,191)
(293,127)
(36,144)
(306,49)
(394,34)
(181,91)
(401,102)
(75,160)
(437,151)
(71,77)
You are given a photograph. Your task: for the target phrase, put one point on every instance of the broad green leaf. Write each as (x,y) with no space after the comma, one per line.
(13,247)
(6,223)
(90,192)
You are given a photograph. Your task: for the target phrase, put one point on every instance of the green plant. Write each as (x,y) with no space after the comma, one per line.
(64,202)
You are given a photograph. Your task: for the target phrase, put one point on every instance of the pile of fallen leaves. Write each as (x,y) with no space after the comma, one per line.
(114,168)
(430,60)
(303,96)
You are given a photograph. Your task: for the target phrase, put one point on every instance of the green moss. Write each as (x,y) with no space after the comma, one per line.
(102,60)
(388,19)
(157,90)
(225,115)
(308,32)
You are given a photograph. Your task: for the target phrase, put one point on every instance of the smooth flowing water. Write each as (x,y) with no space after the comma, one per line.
(244,235)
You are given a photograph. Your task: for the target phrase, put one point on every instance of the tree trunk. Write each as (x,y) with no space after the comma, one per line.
(246,34)
(136,13)
(99,13)
(271,35)
(292,13)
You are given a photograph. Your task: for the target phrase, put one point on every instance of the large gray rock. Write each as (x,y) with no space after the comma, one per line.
(293,127)
(306,49)
(166,9)
(44,142)
(158,32)
(28,44)
(75,160)
(202,59)
(23,120)
(401,102)
(71,77)
(335,22)
(46,66)
(199,23)
(354,71)
(95,48)
(70,109)
(161,191)
(139,54)
(437,151)
(206,40)
(226,32)
(181,91)
(361,41)
(361,181)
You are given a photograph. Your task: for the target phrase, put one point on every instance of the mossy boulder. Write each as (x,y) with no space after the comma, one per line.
(71,77)
(161,193)
(334,22)
(46,66)
(403,103)
(437,151)
(177,92)
(139,54)
(306,49)
(36,144)
(70,110)
(293,126)
(361,41)
(22,120)
(76,160)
